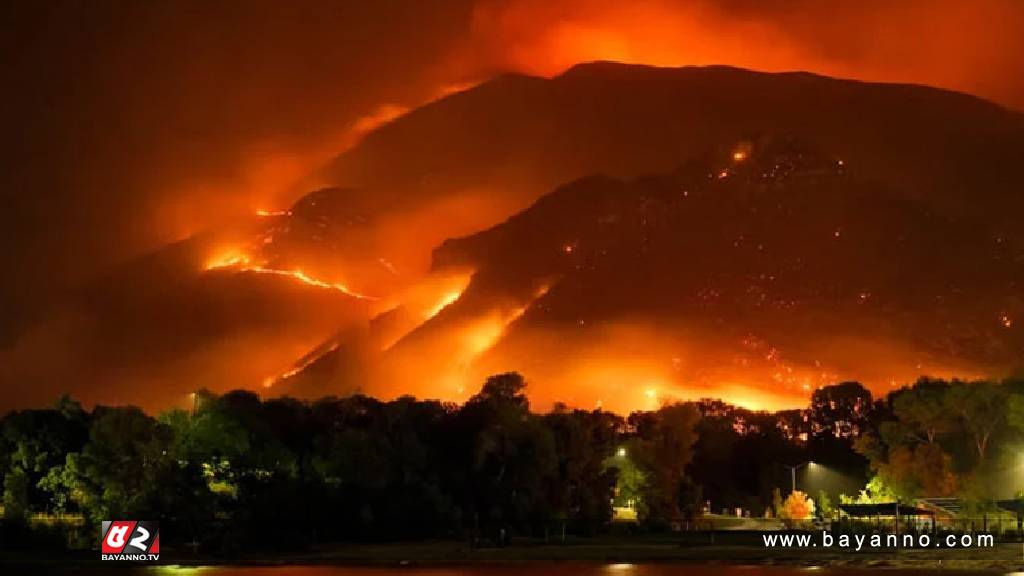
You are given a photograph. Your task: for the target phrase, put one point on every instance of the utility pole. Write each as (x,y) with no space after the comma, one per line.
(792,474)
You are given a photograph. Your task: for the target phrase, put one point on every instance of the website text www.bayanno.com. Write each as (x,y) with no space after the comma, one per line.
(858,542)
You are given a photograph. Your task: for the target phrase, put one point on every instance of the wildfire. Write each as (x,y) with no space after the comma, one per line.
(305,278)
(484,334)
(270,213)
(422,302)
(741,152)
(446,299)
(299,366)
(241,262)
(454,358)
(378,117)
(229,259)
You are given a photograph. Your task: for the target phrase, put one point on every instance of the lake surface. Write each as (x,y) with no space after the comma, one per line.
(532,569)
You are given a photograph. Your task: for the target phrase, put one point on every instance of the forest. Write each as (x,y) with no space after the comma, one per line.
(235,472)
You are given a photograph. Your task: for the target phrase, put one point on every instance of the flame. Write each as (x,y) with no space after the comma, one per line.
(446,299)
(633,364)
(241,262)
(228,259)
(741,152)
(270,213)
(423,301)
(481,335)
(299,366)
(445,354)
(378,117)
(306,279)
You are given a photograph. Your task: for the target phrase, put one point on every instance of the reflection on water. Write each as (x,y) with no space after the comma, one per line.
(534,569)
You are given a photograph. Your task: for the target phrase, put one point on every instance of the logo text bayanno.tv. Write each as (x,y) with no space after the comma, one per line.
(131,540)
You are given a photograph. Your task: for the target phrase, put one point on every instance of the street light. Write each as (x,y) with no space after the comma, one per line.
(194,397)
(630,470)
(792,473)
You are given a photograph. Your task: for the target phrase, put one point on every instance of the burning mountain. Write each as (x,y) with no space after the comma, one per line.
(756,273)
(154,328)
(469,160)
(798,230)
(505,142)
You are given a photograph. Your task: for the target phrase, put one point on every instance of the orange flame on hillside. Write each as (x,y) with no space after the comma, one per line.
(299,366)
(270,213)
(446,299)
(475,339)
(241,262)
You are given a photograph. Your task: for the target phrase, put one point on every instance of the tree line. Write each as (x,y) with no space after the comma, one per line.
(237,472)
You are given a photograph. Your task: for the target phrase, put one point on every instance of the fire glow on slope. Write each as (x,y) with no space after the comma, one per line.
(418,303)
(438,357)
(638,364)
(619,367)
(421,302)
(630,365)
(475,338)
(240,262)
(301,365)
(272,213)
(483,334)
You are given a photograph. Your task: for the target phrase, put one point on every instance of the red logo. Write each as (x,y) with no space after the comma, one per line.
(130,540)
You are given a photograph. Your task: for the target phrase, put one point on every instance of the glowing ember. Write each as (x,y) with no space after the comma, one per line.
(298,367)
(443,303)
(227,260)
(1006,321)
(388,265)
(270,213)
(305,278)
(242,263)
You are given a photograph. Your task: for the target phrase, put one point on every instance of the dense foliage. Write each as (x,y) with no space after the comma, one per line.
(236,471)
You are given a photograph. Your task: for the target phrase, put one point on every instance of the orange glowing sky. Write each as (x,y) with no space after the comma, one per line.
(973,47)
(240,127)
(964,46)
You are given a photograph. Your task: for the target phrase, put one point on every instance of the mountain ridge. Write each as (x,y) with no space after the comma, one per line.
(413,194)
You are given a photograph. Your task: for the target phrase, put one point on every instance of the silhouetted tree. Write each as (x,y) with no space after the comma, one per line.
(662,448)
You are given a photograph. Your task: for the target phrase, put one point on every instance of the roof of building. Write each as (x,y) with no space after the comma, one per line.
(950,506)
(884,509)
(955,506)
